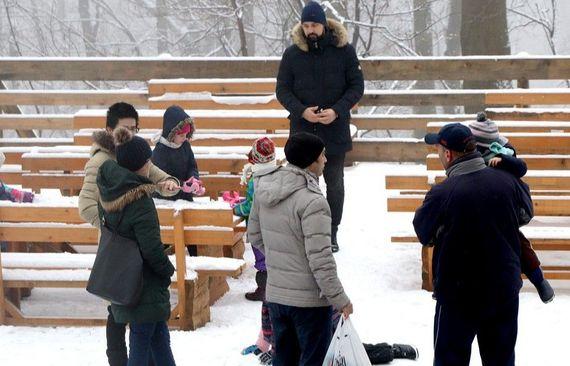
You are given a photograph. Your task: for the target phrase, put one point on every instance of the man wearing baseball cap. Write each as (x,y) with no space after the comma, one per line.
(472,219)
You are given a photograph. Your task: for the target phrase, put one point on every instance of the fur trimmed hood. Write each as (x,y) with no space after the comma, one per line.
(339,33)
(119,187)
(104,141)
(131,196)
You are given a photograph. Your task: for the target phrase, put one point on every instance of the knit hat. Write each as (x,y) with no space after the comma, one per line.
(313,12)
(262,151)
(132,151)
(486,131)
(303,149)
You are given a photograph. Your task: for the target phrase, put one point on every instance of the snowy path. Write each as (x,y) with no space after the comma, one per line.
(382,279)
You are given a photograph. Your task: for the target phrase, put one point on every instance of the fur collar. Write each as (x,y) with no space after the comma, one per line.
(105,141)
(338,30)
(129,197)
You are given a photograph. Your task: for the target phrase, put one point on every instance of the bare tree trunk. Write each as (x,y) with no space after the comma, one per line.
(241,28)
(356,34)
(484,31)
(423,45)
(453,43)
(161,27)
(249,20)
(89,28)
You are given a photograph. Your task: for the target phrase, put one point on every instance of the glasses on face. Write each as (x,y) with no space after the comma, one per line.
(134,129)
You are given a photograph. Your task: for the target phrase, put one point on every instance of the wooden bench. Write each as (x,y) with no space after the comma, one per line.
(529,114)
(517,126)
(542,240)
(212,102)
(211,227)
(73,97)
(61,170)
(158,87)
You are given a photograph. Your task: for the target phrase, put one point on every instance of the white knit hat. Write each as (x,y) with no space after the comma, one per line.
(486,131)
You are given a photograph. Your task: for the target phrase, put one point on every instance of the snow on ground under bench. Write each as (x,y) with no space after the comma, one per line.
(382,279)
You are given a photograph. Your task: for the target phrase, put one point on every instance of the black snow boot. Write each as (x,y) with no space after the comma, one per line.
(334,242)
(545,291)
(379,354)
(259,293)
(405,351)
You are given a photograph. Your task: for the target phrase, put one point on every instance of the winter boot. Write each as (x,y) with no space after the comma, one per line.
(405,351)
(379,354)
(334,242)
(545,291)
(259,293)
(266,358)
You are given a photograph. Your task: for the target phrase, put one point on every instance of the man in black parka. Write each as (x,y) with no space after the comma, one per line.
(473,220)
(319,82)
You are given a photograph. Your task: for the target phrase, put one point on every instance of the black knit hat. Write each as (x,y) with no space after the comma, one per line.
(303,149)
(132,151)
(313,12)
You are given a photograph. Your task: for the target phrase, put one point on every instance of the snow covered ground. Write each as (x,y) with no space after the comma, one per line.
(382,279)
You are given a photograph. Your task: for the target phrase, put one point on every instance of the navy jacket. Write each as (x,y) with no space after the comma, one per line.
(327,75)
(180,162)
(473,220)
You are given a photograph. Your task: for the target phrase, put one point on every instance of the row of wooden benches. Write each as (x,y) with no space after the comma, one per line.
(47,224)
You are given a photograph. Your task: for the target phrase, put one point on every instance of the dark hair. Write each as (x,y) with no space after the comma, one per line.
(119,111)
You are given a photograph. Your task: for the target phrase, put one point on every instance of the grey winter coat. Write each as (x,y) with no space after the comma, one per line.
(290,222)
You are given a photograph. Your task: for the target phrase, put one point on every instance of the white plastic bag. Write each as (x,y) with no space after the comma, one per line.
(346,349)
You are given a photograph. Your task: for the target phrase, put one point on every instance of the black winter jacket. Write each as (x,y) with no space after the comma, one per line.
(177,162)
(473,220)
(325,74)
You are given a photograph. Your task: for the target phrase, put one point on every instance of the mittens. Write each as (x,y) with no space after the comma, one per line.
(194,186)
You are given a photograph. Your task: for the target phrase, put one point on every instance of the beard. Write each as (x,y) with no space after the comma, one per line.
(312,37)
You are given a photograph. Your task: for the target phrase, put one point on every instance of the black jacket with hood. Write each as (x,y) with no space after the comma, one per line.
(178,161)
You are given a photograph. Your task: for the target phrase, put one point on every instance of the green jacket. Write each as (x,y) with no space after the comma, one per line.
(125,193)
(244,208)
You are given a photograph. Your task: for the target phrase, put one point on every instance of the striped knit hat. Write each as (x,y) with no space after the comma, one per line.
(486,131)
(262,151)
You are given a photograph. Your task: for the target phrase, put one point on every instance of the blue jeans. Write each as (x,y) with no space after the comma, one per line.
(148,340)
(301,335)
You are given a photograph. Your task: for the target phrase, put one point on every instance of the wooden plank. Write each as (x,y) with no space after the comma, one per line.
(390,150)
(215,86)
(40,122)
(220,122)
(54,322)
(73,235)
(40,214)
(403,121)
(2,296)
(11,177)
(530,114)
(210,104)
(75,97)
(420,182)
(517,127)
(543,206)
(180,253)
(375,68)
(550,244)
(528,96)
(13,157)
(533,162)
(279,140)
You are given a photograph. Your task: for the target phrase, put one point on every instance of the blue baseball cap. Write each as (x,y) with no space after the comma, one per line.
(453,136)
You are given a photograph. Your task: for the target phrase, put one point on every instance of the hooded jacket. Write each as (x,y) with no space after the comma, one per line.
(129,210)
(178,161)
(326,74)
(103,149)
(290,222)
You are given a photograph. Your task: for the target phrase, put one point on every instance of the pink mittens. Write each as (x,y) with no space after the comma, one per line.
(194,186)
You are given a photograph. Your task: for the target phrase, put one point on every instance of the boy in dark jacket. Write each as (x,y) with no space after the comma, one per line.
(173,153)
(498,153)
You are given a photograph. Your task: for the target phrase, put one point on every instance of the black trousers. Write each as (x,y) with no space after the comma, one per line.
(301,335)
(116,345)
(455,327)
(334,178)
